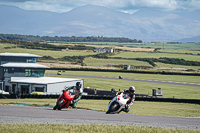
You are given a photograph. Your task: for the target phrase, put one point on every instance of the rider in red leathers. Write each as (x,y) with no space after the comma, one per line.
(76,92)
(131,94)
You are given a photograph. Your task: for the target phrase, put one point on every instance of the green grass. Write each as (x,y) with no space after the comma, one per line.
(156,55)
(148,108)
(55,54)
(92,128)
(103,62)
(180,51)
(176,67)
(184,46)
(3,45)
(138,107)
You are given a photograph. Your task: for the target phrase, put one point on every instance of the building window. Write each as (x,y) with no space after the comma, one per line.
(34,73)
(41,73)
(28,72)
(32,60)
(39,89)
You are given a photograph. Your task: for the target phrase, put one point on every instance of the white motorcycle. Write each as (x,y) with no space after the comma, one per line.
(117,104)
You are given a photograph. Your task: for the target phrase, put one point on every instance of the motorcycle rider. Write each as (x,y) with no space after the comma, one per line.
(76,92)
(131,93)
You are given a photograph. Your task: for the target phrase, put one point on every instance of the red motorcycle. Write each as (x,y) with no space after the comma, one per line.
(64,100)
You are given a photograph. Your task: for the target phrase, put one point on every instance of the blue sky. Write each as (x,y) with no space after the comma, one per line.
(127,6)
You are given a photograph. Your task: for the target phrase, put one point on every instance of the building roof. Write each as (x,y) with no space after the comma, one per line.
(24,65)
(19,55)
(40,80)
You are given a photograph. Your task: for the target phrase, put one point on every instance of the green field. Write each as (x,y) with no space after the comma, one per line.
(55,54)
(179,68)
(156,55)
(104,62)
(6,45)
(184,46)
(181,53)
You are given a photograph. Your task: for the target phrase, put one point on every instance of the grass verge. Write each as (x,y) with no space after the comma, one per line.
(92,128)
(138,108)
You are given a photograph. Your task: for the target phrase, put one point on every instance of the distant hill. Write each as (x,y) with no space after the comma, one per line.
(192,39)
(145,25)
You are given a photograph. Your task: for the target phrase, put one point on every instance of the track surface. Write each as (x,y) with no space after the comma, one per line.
(46,115)
(136,80)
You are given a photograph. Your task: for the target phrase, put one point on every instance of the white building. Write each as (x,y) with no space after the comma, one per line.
(20,74)
(104,50)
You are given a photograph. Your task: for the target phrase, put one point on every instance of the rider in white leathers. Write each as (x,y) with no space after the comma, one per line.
(131,94)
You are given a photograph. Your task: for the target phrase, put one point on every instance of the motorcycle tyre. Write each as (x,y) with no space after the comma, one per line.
(55,107)
(58,105)
(113,107)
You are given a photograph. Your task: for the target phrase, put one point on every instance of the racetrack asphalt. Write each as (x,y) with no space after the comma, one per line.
(13,114)
(136,80)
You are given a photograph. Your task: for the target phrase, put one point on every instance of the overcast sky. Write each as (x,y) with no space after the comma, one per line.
(127,6)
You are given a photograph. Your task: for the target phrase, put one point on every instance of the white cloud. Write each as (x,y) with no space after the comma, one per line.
(163,4)
(128,6)
(54,7)
(189,4)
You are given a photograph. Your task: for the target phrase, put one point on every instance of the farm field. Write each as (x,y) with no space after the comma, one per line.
(55,54)
(186,46)
(6,45)
(103,63)
(182,51)
(156,55)
(173,67)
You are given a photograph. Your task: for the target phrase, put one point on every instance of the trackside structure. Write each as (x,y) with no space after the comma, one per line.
(21,74)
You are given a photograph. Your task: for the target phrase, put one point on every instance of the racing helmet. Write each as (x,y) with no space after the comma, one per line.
(131,89)
(78,85)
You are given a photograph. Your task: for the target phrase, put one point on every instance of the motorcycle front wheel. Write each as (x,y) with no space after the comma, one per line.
(113,107)
(58,105)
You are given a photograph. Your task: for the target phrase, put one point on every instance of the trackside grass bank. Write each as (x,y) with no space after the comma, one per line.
(138,108)
(92,128)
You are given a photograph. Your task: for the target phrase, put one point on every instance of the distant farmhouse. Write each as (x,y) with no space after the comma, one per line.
(104,50)
(21,74)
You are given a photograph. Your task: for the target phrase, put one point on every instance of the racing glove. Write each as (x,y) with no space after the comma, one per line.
(74,101)
(126,106)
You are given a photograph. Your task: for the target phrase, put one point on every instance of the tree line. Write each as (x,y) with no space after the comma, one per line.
(37,38)
(44,46)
